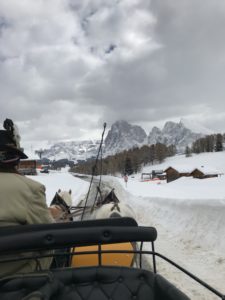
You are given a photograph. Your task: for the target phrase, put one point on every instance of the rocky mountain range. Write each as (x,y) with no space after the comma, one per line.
(74,150)
(124,136)
(173,134)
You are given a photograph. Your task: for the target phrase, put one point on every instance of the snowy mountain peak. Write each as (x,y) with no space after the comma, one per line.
(172,126)
(74,150)
(123,136)
(173,133)
(156,130)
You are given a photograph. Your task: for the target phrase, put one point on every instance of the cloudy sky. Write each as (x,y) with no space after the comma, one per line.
(68,66)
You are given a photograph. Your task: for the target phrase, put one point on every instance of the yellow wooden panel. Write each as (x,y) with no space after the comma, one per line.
(108,259)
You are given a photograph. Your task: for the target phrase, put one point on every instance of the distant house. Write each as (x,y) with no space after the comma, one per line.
(202,173)
(27,167)
(175,173)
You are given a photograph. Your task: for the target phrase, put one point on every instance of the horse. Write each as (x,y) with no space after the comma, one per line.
(114,210)
(60,211)
(112,207)
(60,206)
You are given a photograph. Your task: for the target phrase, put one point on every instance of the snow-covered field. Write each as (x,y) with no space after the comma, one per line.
(188,213)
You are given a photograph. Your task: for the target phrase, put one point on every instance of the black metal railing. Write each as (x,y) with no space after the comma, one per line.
(62,236)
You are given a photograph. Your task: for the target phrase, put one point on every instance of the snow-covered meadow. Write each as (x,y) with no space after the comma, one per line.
(188,213)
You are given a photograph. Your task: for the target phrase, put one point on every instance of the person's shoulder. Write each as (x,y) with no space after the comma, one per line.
(30,182)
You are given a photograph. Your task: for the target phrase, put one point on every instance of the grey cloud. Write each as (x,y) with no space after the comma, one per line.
(192,33)
(184,76)
(74,64)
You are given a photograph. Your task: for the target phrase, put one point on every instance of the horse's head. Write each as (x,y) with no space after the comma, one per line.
(114,210)
(60,205)
(66,196)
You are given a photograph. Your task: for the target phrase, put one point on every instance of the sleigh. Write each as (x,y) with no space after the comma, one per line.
(100,281)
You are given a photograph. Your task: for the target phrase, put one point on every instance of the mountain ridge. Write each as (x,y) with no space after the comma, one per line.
(124,136)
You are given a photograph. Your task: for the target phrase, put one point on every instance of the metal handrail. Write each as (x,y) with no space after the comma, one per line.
(99,252)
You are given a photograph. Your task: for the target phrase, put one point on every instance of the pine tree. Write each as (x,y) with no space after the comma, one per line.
(219,142)
(187,151)
(128,168)
(160,152)
(152,154)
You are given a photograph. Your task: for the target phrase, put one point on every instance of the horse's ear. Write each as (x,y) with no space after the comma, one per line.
(59,190)
(70,192)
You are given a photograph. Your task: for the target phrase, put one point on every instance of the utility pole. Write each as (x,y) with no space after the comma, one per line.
(39,152)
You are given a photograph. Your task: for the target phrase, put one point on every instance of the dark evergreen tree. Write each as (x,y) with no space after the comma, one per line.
(219,142)
(160,152)
(209,143)
(172,150)
(152,154)
(196,147)
(129,162)
(128,168)
(187,151)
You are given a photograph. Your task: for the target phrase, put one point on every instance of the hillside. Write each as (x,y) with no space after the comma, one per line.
(185,187)
(214,160)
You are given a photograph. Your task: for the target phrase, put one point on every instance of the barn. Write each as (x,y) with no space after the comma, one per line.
(175,173)
(202,173)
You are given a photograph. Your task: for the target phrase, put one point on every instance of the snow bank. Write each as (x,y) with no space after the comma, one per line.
(199,221)
(190,232)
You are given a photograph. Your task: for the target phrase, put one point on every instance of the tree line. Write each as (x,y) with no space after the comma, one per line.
(126,162)
(209,143)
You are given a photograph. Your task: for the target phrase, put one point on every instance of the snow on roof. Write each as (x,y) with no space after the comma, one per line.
(207,171)
(181,169)
(188,169)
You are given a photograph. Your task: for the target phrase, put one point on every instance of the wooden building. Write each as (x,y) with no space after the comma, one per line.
(27,167)
(175,173)
(171,174)
(201,174)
